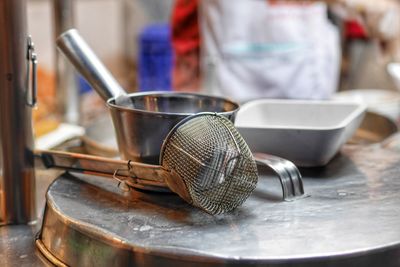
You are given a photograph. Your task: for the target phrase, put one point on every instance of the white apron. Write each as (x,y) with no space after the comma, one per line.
(254,49)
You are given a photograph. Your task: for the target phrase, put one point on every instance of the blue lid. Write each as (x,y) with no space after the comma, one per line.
(155,39)
(155,58)
(156,33)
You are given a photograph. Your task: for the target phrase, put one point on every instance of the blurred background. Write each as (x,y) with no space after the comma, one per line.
(169,45)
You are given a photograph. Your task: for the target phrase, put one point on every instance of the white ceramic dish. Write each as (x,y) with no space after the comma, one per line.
(309,133)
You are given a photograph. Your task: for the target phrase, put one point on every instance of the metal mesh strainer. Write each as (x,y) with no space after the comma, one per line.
(204,160)
(213,162)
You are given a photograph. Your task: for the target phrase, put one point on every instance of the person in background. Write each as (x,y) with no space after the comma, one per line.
(249,49)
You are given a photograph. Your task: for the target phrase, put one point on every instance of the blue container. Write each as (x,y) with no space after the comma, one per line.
(155,58)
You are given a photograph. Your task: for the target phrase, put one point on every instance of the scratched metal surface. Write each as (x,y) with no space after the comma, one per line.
(351,218)
(17,242)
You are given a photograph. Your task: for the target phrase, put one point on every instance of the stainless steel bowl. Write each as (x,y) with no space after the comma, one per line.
(142,129)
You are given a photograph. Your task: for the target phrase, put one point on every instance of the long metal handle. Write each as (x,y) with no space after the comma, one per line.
(125,171)
(87,64)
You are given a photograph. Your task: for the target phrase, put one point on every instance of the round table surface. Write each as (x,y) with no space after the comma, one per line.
(351,216)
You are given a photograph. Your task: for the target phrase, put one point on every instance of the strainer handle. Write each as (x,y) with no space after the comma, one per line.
(143,174)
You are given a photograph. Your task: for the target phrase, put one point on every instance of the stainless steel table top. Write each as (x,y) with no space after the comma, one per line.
(351,218)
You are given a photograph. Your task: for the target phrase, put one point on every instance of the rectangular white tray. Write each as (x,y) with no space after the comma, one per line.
(309,133)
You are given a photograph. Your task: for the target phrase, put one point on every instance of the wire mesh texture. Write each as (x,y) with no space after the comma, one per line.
(213,160)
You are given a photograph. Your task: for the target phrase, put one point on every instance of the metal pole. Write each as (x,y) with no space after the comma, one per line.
(17,180)
(68,101)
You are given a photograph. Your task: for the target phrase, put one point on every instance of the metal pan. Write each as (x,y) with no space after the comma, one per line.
(141,120)
(141,131)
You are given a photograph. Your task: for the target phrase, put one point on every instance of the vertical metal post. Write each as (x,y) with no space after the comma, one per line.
(17,180)
(68,101)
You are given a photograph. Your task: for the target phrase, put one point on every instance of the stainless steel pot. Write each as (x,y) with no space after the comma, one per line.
(141,120)
(141,130)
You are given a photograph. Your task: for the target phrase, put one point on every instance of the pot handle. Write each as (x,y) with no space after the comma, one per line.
(72,45)
(287,172)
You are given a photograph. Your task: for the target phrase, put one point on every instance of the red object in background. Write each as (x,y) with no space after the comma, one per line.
(186,45)
(185,26)
(354,30)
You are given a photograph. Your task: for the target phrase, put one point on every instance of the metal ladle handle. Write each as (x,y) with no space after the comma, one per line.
(88,65)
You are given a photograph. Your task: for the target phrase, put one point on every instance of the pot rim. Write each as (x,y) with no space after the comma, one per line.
(113,106)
